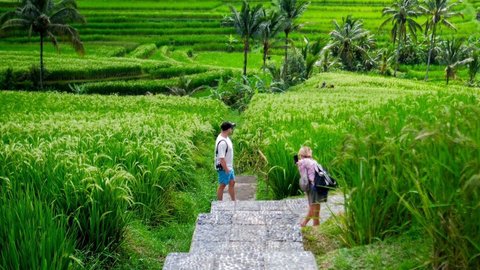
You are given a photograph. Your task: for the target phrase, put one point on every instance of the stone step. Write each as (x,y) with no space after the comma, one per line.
(275,260)
(240,237)
(249,218)
(292,205)
(245,188)
(244,246)
(251,235)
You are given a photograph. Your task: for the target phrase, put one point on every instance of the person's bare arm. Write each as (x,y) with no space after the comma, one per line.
(224,165)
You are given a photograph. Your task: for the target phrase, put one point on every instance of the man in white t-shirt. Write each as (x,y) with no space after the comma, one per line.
(224,161)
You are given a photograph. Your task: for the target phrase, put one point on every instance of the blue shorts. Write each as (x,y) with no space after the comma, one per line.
(224,178)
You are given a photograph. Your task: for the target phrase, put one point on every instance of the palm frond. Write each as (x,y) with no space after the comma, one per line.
(15,24)
(53,39)
(67,14)
(66,4)
(463,62)
(69,32)
(7,16)
(449,25)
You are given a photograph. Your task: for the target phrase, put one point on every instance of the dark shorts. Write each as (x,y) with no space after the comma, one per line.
(317,196)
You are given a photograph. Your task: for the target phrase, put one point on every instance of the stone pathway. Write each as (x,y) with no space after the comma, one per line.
(247,234)
(245,188)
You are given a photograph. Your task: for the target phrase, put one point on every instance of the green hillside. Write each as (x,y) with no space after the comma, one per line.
(169,39)
(196,24)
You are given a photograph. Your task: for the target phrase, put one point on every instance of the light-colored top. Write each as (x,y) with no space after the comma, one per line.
(225,150)
(308,166)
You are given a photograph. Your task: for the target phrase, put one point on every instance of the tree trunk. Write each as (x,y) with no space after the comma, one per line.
(397,57)
(41,61)
(432,42)
(265,53)
(285,68)
(286,46)
(449,74)
(245,56)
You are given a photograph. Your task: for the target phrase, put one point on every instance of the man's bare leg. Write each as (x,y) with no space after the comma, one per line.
(231,189)
(220,189)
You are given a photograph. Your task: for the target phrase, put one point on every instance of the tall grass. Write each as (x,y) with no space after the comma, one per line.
(406,154)
(279,125)
(413,168)
(94,163)
(32,236)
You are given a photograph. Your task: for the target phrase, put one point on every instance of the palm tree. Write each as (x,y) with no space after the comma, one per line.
(272,25)
(474,67)
(384,62)
(291,10)
(311,55)
(452,53)
(46,19)
(350,41)
(401,15)
(438,12)
(326,61)
(246,23)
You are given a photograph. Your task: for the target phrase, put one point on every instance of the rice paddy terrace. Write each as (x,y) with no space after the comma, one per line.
(145,46)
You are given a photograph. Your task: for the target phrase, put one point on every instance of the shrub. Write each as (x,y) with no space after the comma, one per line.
(296,71)
(7,81)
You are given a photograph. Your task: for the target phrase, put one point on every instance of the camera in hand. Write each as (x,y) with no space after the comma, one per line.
(295,158)
(219,167)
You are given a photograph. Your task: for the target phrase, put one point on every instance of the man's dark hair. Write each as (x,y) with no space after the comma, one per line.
(227,125)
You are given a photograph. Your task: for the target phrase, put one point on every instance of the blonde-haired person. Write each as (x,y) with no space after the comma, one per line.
(306,166)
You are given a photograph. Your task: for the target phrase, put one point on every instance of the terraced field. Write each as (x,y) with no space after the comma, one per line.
(183,34)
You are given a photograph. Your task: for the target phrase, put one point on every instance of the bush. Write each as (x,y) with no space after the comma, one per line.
(7,81)
(237,91)
(412,53)
(294,70)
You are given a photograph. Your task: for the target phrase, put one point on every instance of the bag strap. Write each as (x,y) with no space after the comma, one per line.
(216,147)
(319,169)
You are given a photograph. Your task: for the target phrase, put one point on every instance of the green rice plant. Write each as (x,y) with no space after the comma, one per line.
(143,51)
(282,175)
(368,164)
(100,218)
(100,161)
(445,183)
(419,170)
(32,236)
